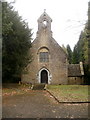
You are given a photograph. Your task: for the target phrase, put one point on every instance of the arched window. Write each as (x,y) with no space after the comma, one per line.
(45,23)
(43,55)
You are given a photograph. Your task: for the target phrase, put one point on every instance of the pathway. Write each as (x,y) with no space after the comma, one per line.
(39,104)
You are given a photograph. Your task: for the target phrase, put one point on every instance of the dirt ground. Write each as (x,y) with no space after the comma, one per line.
(39,104)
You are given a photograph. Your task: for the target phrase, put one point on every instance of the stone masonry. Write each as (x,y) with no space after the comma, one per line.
(56,67)
(49,61)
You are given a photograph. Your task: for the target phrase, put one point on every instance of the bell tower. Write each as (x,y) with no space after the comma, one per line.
(44,22)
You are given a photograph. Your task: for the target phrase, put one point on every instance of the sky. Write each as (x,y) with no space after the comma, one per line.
(68,17)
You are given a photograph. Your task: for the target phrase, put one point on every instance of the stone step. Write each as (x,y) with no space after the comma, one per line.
(38,86)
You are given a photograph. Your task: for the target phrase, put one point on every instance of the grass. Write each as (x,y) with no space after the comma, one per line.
(64,93)
(14,89)
(71,93)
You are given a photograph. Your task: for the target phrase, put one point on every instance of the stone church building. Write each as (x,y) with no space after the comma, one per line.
(49,61)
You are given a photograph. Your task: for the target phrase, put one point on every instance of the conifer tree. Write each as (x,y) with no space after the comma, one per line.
(69,52)
(16,38)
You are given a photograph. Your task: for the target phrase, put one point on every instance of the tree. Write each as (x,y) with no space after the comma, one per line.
(87,66)
(69,52)
(75,55)
(80,52)
(16,38)
(0,42)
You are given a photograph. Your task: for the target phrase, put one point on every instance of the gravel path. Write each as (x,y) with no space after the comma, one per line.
(39,104)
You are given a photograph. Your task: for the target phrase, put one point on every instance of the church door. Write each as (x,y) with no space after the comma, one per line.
(44,76)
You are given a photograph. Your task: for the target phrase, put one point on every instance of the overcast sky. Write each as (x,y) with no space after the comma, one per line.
(69,17)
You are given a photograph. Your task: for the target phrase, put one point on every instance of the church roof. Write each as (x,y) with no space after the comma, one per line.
(74,70)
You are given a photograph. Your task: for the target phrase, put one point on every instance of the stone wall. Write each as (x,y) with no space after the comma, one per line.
(75,80)
(57,65)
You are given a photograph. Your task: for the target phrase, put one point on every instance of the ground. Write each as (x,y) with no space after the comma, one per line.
(70,93)
(26,103)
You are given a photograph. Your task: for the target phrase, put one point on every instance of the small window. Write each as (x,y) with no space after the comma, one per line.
(44,56)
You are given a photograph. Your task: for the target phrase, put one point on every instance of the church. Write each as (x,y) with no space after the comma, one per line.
(49,61)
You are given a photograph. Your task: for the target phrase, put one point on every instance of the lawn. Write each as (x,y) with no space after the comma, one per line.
(69,93)
(14,89)
(64,93)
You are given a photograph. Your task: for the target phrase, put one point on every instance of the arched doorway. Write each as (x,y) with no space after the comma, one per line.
(44,76)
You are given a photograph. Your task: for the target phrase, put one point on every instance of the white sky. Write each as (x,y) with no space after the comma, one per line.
(69,17)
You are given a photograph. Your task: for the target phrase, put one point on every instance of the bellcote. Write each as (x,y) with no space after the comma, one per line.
(44,22)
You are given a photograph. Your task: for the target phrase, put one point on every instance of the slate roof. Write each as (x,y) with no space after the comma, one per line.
(74,70)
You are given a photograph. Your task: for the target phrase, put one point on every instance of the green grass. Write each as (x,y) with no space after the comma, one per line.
(73,93)
(64,93)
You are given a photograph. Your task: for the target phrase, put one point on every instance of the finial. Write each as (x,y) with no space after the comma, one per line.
(44,10)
